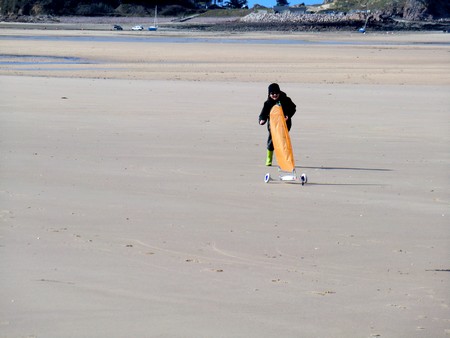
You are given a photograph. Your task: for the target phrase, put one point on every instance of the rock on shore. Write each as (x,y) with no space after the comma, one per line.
(375,20)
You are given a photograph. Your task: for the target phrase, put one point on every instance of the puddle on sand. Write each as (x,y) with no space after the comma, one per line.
(168,39)
(30,60)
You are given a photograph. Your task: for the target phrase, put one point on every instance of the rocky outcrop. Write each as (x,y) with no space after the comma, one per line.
(416,10)
(374,20)
(406,9)
(286,17)
(439,9)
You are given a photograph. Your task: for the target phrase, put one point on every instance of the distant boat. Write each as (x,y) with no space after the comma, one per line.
(155,21)
(363,29)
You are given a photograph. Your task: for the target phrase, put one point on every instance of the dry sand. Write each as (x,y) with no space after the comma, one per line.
(133,201)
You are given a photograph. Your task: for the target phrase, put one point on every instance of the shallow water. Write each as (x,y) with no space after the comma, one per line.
(23,60)
(151,39)
(39,62)
(156,39)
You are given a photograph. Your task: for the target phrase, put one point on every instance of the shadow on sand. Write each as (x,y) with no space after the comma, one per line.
(350,184)
(277,181)
(343,168)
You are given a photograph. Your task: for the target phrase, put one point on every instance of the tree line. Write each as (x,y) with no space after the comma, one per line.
(110,7)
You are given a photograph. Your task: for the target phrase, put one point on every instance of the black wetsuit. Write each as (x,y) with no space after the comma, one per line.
(289,109)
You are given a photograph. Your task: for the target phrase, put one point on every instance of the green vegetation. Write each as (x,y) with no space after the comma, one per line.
(412,9)
(111,7)
(220,13)
(384,5)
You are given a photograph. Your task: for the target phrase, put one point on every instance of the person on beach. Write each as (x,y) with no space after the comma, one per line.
(276,96)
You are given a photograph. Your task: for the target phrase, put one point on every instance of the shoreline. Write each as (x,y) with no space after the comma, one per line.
(179,55)
(226,24)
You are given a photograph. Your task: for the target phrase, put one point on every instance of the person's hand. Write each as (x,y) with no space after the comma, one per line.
(261,122)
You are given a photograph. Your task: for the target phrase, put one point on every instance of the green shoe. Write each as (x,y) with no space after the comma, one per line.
(269,158)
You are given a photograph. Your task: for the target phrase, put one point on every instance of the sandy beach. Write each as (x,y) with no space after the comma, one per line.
(132,200)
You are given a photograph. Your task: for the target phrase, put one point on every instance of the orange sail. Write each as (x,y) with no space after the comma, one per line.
(281,140)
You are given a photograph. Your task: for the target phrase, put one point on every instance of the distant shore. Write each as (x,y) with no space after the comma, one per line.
(232,24)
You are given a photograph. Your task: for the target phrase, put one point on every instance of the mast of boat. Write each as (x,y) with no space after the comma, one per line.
(155,21)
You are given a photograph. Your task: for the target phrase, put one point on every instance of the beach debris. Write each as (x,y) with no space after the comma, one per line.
(213,270)
(54,281)
(192,260)
(324,293)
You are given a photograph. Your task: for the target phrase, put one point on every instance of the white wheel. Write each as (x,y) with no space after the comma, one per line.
(267,178)
(304,179)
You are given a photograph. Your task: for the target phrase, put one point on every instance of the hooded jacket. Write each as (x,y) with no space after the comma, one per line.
(286,103)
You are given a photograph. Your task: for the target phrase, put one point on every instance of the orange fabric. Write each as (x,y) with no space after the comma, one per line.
(281,140)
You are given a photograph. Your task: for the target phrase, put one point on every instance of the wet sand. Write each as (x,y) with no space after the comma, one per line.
(132,194)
